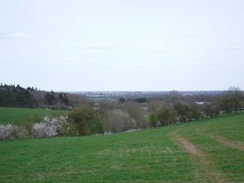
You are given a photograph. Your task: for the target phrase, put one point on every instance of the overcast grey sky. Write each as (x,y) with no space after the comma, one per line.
(104,45)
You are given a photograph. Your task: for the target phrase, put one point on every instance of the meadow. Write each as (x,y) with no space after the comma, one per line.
(12,115)
(209,150)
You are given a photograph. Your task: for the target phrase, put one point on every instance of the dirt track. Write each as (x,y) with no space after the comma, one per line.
(228,143)
(199,159)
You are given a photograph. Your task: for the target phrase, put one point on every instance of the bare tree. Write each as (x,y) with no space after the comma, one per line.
(232,100)
(173,97)
(118,121)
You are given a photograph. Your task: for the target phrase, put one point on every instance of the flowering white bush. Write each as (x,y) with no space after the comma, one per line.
(5,132)
(8,132)
(49,127)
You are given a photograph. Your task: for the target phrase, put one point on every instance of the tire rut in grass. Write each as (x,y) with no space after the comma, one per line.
(199,159)
(229,143)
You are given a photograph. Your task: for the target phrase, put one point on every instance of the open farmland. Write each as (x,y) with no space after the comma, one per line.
(11,115)
(209,150)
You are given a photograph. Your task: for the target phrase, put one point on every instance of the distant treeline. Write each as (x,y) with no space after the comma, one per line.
(17,96)
(125,114)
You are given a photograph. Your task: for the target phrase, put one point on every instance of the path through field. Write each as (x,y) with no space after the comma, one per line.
(229,143)
(199,159)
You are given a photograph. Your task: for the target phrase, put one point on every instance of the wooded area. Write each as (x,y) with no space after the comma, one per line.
(17,96)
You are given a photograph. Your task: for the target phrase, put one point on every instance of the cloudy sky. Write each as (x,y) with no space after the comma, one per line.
(104,45)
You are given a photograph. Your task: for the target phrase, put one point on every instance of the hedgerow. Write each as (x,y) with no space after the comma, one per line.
(48,127)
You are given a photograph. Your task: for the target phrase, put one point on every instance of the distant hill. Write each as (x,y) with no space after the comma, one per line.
(17,96)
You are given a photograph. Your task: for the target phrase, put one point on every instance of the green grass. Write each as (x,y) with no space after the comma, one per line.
(143,156)
(232,127)
(228,160)
(11,115)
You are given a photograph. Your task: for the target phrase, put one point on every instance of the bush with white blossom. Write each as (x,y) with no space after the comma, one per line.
(9,132)
(49,127)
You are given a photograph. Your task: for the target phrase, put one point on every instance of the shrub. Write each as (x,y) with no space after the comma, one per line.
(86,121)
(119,121)
(211,110)
(165,116)
(136,113)
(9,132)
(152,120)
(194,113)
(50,127)
(183,111)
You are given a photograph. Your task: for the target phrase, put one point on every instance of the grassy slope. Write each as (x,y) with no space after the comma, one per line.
(10,115)
(227,160)
(142,156)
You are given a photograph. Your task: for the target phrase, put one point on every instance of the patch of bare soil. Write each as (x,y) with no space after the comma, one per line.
(199,159)
(229,143)
(187,146)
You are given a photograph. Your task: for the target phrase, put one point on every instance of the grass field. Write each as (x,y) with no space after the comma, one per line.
(11,115)
(209,150)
